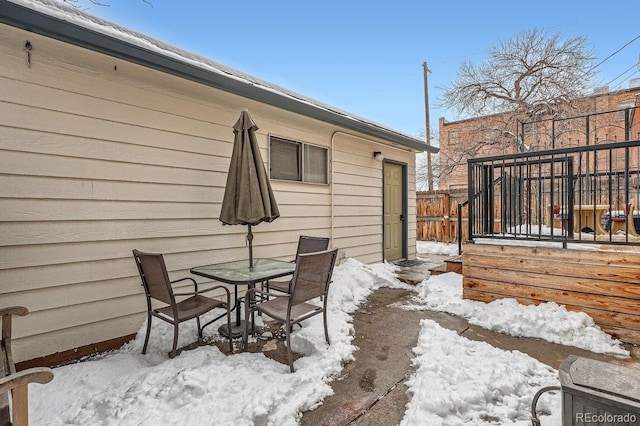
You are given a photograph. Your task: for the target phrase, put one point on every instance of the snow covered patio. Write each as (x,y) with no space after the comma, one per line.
(456,380)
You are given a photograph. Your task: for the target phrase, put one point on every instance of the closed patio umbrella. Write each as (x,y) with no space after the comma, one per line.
(248,198)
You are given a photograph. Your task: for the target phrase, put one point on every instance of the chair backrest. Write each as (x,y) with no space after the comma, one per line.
(312,275)
(307,244)
(154,275)
(553,210)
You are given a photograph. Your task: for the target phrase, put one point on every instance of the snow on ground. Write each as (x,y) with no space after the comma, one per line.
(548,321)
(203,386)
(457,381)
(434,247)
(460,381)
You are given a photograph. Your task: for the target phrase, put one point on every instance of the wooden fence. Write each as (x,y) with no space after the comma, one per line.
(437,215)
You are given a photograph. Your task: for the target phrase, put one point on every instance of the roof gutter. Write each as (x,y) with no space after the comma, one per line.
(40,23)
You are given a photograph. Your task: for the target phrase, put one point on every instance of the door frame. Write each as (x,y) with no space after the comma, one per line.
(404,205)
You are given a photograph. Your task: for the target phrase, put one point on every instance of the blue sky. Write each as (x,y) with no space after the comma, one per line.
(366,57)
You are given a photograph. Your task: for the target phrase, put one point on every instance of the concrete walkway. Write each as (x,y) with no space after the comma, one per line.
(371,389)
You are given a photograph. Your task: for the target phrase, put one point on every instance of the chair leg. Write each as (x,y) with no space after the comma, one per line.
(146,339)
(229,328)
(172,354)
(20,406)
(245,337)
(245,331)
(289,353)
(199,329)
(326,329)
(264,285)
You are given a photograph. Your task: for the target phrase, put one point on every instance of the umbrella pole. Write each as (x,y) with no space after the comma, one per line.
(250,240)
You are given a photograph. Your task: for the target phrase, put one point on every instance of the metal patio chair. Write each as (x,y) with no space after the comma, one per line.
(311,280)
(15,410)
(558,217)
(158,288)
(306,244)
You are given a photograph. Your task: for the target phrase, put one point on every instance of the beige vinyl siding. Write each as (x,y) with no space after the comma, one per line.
(99,156)
(357,183)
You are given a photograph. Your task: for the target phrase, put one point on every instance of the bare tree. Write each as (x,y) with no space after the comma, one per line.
(531,74)
(528,77)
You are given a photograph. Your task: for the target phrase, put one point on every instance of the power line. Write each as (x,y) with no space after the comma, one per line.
(623,73)
(613,54)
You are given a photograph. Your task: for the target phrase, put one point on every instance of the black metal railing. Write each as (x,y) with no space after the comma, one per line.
(589,129)
(580,194)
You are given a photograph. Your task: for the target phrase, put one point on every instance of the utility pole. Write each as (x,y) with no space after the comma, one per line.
(428,128)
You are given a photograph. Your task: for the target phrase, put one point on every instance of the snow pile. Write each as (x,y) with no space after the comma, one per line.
(434,247)
(459,381)
(548,321)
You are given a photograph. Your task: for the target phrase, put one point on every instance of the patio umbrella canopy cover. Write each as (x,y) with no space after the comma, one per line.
(248,197)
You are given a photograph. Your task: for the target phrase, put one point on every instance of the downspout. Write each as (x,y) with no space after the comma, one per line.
(332,220)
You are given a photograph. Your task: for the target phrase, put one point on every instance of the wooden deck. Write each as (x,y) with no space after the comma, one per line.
(603,284)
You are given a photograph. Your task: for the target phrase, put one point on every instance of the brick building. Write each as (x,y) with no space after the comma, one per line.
(611,118)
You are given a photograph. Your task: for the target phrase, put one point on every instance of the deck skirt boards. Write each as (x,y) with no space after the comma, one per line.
(603,284)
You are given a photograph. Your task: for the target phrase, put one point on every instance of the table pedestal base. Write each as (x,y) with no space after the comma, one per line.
(236,330)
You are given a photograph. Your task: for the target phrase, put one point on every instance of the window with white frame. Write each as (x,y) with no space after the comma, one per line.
(298,161)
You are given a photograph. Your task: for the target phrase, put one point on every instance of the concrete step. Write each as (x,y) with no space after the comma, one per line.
(437,270)
(454,264)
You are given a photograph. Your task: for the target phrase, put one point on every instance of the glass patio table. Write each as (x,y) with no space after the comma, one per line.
(238,273)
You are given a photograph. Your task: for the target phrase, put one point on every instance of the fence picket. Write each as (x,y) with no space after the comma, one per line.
(437,215)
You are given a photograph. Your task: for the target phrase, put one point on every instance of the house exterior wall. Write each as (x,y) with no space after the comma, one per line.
(99,156)
(604,128)
(357,187)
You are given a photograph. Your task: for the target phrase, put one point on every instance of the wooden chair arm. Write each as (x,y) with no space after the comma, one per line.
(14,310)
(22,378)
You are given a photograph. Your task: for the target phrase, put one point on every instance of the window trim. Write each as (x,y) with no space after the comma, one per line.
(302,161)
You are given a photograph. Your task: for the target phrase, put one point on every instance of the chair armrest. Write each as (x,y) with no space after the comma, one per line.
(190,293)
(193,293)
(195,283)
(22,378)
(215,287)
(14,310)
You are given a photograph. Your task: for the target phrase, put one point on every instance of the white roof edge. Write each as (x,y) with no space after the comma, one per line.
(70,24)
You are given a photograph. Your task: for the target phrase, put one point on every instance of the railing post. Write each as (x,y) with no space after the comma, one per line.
(460,229)
(470,198)
(570,201)
(487,196)
(629,213)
